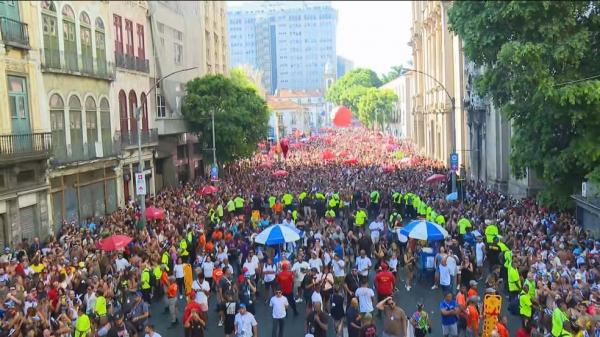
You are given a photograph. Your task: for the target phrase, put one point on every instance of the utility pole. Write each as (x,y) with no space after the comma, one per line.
(214,147)
(138,113)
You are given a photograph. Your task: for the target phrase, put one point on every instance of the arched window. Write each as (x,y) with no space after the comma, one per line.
(75,128)
(132,108)
(69,38)
(50,29)
(100,47)
(144,103)
(57,126)
(123,116)
(91,126)
(105,128)
(85,32)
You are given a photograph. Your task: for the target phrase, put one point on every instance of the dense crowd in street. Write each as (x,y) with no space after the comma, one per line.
(347,194)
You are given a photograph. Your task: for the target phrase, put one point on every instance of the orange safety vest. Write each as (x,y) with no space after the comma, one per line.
(172,291)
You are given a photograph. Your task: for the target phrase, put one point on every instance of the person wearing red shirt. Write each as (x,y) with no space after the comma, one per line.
(384,282)
(472,317)
(501,326)
(190,307)
(285,279)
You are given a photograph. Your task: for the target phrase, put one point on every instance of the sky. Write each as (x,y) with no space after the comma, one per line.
(372,34)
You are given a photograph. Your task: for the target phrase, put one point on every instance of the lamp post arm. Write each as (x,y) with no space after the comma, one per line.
(435,80)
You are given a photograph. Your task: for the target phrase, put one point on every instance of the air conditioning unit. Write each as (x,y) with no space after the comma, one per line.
(588,189)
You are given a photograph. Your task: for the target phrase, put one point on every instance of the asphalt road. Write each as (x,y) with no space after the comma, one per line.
(294,326)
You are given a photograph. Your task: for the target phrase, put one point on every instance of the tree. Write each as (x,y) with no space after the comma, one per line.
(540,60)
(393,74)
(248,77)
(339,92)
(241,116)
(376,107)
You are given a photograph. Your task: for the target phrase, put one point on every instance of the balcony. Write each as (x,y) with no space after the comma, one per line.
(29,146)
(131,62)
(130,139)
(60,156)
(58,61)
(14,33)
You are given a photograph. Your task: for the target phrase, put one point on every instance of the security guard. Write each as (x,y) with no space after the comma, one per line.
(272,201)
(166,259)
(287,200)
(230,207)
(525,305)
(560,319)
(360,217)
(83,326)
(183,249)
(397,201)
(374,206)
(440,220)
(239,205)
(514,282)
(146,286)
(100,308)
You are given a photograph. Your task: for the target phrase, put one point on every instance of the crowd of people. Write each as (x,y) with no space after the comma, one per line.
(348,193)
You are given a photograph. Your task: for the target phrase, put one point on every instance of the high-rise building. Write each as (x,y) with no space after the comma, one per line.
(289,41)
(344,65)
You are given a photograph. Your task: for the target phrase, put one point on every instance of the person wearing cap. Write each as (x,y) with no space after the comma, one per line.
(119,327)
(245,323)
(172,300)
(139,312)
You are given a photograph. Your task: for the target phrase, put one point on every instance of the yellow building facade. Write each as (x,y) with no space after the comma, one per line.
(438,126)
(24,134)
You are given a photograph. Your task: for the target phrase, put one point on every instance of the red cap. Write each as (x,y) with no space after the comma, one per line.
(384,266)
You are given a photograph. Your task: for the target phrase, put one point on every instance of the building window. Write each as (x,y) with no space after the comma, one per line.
(141,42)
(27,176)
(161,111)
(118,34)
(129,36)
(75,128)
(178,53)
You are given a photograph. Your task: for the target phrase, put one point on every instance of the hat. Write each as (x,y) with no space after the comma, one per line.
(578,276)
(81,264)
(242,305)
(473,283)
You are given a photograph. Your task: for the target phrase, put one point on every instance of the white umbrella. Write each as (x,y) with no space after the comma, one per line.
(277,234)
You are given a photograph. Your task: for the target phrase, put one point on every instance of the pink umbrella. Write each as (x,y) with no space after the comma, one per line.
(351,161)
(114,242)
(435,178)
(328,155)
(209,189)
(266,164)
(153,213)
(389,168)
(280,173)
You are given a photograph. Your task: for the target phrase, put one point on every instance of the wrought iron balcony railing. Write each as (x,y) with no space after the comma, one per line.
(130,139)
(28,145)
(14,33)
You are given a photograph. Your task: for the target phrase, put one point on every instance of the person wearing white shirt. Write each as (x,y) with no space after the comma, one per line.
(363,263)
(445,276)
(366,297)
(269,269)
(299,269)
(121,263)
(376,228)
(451,262)
(326,258)
(207,269)
(315,262)
(279,303)
(316,295)
(178,271)
(245,323)
(479,253)
(202,289)
(338,268)
(250,268)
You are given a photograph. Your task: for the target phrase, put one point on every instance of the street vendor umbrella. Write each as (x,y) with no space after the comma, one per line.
(153,213)
(435,178)
(452,196)
(328,155)
(351,161)
(209,189)
(342,116)
(424,230)
(114,242)
(280,173)
(277,234)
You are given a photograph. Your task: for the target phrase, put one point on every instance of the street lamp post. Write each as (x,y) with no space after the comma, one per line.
(453,107)
(141,168)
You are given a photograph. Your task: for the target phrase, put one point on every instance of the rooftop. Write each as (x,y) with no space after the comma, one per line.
(290,93)
(283,105)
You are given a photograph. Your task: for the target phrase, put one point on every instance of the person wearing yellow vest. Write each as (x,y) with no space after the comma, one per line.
(165,259)
(239,205)
(295,215)
(287,200)
(330,216)
(146,286)
(230,207)
(220,211)
(83,326)
(560,319)
(374,206)
(183,248)
(491,231)
(397,201)
(463,224)
(525,305)
(514,282)
(272,201)
(530,283)
(100,308)
(360,218)
(440,220)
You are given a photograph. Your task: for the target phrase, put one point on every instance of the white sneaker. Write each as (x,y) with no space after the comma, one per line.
(408,289)
(299,300)
(220,323)
(434,287)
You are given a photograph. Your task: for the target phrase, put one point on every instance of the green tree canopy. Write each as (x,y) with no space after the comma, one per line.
(376,106)
(341,93)
(393,74)
(540,60)
(241,116)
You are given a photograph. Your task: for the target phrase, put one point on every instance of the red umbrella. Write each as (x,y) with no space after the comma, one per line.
(280,173)
(328,155)
(153,213)
(389,168)
(209,189)
(342,116)
(351,161)
(435,178)
(114,242)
